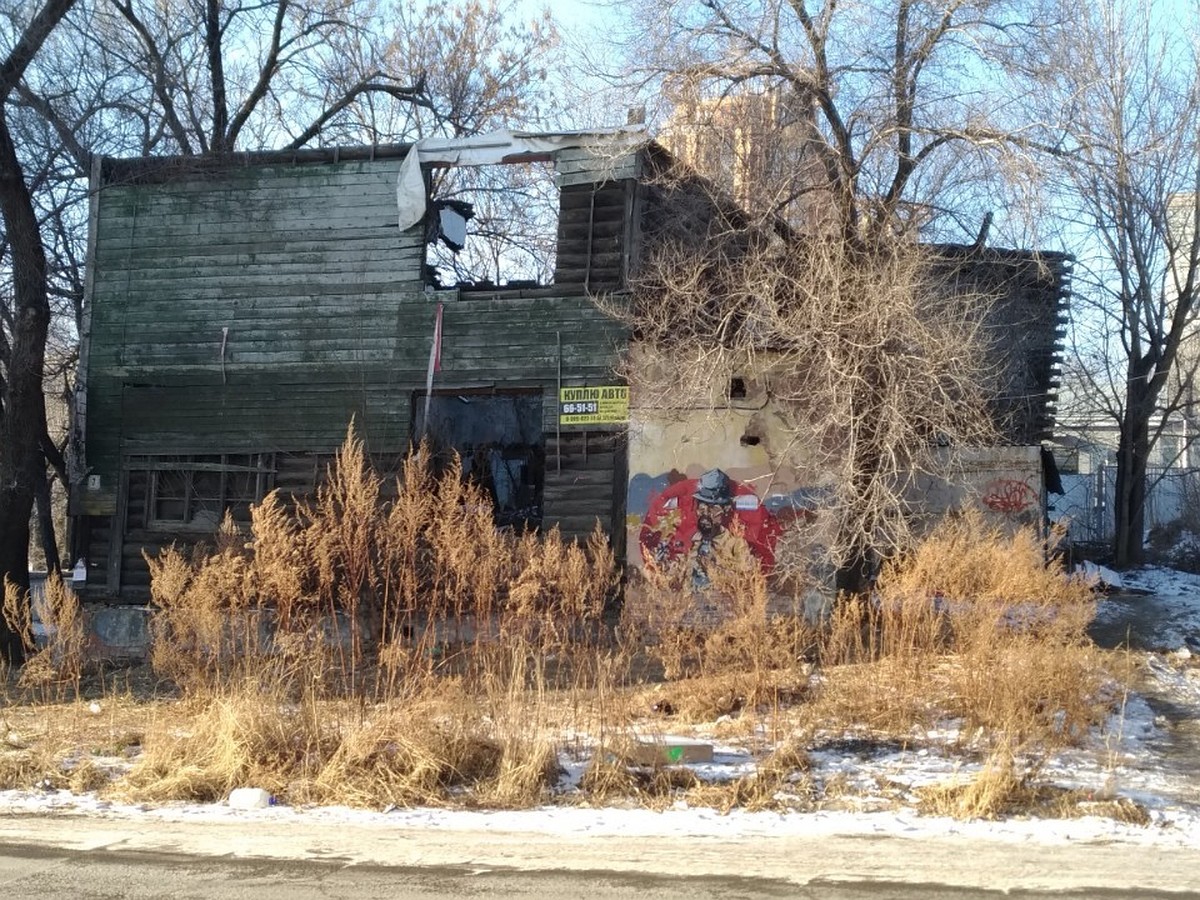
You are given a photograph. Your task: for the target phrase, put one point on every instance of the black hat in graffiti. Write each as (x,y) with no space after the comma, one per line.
(714,488)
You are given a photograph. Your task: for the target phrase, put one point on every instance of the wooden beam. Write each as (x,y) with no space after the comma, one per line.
(116,537)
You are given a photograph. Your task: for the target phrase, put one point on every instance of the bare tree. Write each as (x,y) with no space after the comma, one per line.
(483,67)
(223,74)
(880,128)
(1122,91)
(131,77)
(876,366)
(60,204)
(895,103)
(211,76)
(22,349)
(486,70)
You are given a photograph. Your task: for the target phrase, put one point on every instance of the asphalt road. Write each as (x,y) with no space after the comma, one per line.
(33,871)
(298,856)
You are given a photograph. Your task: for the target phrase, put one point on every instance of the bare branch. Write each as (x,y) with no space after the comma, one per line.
(414,94)
(267,71)
(12,69)
(66,132)
(221,140)
(158,75)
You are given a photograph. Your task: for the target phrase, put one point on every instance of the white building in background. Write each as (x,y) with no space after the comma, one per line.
(1082,447)
(1182,212)
(1086,455)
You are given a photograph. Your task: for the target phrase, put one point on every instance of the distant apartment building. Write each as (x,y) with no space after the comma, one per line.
(758,146)
(1184,266)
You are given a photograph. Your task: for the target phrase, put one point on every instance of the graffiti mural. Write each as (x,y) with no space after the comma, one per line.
(703,479)
(690,519)
(693,517)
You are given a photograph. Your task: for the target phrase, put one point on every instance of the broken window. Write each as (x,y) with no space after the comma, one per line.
(493,226)
(498,437)
(195,491)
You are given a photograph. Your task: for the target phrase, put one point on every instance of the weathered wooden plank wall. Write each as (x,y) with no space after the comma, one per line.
(257,308)
(1023,300)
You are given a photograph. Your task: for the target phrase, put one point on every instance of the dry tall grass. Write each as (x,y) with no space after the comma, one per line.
(974,625)
(58,662)
(371,650)
(371,598)
(719,629)
(380,648)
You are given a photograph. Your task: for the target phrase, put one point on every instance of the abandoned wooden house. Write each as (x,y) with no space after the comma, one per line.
(242,310)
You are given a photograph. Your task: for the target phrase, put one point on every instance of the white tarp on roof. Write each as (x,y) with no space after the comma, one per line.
(489,149)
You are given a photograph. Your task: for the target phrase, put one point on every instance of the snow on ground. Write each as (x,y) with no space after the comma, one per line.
(1148,753)
(1167,584)
(1167,617)
(1167,828)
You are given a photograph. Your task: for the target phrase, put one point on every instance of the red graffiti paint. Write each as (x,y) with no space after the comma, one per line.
(1009,496)
(687,518)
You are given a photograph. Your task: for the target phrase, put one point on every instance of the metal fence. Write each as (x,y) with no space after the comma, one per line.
(1087,504)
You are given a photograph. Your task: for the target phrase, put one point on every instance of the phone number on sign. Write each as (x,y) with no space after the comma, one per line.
(580,409)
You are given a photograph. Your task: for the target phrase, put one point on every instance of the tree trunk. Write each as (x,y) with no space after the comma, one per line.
(853,577)
(15,565)
(45,520)
(22,404)
(1129,506)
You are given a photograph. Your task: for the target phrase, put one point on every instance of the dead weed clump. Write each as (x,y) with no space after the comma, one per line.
(973,625)
(44,747)
(431,753)
(368,596)
(610,778)
(391,648)
(726,694)
(782,782)
(998,788)
(395,761)
(1005,786)
(232,741)
(58,661)
(33,770)
(700,621)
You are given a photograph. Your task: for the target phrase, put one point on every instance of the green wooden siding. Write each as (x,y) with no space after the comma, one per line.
(326,318)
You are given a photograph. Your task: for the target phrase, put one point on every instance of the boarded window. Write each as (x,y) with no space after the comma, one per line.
(193,492)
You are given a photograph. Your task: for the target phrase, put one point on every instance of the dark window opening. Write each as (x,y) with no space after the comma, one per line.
(500,441)
(737,388)
(493,227)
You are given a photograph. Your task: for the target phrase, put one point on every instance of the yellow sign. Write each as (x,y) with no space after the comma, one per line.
(593,405)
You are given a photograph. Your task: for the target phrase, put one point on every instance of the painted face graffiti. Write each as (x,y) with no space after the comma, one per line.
(712,518)
(693,517)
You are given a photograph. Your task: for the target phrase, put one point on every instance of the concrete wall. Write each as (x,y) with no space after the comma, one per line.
(1005,483)
(673,455)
